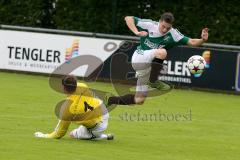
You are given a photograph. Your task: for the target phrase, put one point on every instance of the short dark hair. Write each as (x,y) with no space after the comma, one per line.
(70,83)
(167,17)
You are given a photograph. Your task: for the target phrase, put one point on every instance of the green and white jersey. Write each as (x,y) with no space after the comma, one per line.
(155,39)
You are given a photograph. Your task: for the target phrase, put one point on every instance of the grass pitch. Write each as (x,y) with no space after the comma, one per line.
(206,125)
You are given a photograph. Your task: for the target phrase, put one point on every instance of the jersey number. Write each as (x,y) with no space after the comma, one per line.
(87,106)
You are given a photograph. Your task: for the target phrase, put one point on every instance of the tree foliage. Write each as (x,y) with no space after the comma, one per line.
(107,16)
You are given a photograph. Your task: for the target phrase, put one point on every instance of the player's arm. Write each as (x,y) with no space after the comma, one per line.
(62,125)
(59,131)
(132,26)
(198,42)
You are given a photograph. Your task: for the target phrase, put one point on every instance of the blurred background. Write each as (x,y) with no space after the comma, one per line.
(107,16)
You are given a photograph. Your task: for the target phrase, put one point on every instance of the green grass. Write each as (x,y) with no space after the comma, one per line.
(27,105)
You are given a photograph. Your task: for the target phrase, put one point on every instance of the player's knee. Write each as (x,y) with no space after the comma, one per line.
(80,133)
(161,53)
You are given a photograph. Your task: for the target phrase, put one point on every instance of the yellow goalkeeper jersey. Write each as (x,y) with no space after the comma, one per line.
(83,109)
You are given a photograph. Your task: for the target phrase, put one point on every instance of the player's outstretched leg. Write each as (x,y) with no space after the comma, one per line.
(156,67)
(81,133)
(141,89)
(127,99)
(157,64)
(95,133)
(98,130)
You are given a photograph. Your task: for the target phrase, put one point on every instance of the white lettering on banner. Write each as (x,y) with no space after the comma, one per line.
(178,68)
(175,79)
(169,64)
(176,72)
(185,70)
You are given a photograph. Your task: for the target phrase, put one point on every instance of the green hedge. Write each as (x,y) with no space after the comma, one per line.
(107,16)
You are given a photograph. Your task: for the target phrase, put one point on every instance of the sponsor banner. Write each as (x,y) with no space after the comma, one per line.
(220,72)
(44,53)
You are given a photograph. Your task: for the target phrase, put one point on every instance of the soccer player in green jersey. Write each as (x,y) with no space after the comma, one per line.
(155,39)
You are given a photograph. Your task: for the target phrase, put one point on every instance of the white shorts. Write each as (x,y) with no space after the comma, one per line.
(100,127)
(141,56)
(90,133)
(141,63)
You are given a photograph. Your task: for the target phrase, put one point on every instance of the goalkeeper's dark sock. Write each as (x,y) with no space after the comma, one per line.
(122,100)
(157,65)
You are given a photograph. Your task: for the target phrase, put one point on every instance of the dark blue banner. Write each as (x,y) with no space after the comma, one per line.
(222,68)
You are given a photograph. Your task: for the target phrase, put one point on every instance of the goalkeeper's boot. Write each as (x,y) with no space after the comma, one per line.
(110,136)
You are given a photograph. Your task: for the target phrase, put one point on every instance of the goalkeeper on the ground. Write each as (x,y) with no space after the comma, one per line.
(83,108)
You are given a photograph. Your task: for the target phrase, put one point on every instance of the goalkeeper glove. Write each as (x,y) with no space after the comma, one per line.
(40,135)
